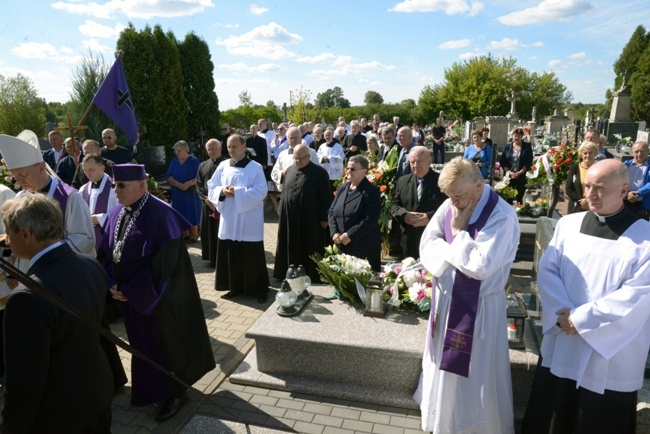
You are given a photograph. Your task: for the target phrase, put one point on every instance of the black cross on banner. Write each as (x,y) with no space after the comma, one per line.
(124,98)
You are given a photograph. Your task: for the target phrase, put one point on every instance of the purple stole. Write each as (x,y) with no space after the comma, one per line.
(61,193)
(100,207)
(457,346)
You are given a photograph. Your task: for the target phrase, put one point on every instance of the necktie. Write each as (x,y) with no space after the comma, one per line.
(420,189)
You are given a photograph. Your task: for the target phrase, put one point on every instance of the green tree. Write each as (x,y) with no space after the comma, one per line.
(331,98)
(479,86)
(86,79)
(628,61)
(428,105)
(373,97)
(640,83)
(153,70)
(300,106)
(198,86)
(20,106)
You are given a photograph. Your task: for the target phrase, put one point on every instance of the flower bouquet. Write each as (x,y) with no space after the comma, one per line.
(533,209)
(155,190)
(408,284)
(383,177)
(342,271)
(503,188)
(6,178)
(552,167)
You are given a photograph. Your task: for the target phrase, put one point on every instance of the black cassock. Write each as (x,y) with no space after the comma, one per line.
(209,224)
(306,198)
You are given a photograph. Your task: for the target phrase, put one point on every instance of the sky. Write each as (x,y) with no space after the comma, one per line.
(271,48)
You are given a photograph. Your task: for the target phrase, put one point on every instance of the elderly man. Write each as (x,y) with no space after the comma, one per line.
(57,378)
(331,157)
(638,198)
(209,214)
(416,199)
(306,198)
(390,149)
(225,133)
(603,153)
(112,152)
(279,144)
(24,160)
(264,131)
(238,188)
(90,147)
(285,158)
(469,246)
(67,166)
(319,138)
(355,142)
(307,136)
(56,152)
(594,285)
(406,142)
(150,273)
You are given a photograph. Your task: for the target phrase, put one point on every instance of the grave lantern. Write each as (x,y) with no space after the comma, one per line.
(516,314)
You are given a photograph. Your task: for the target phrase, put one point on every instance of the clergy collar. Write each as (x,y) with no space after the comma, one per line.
(610,217)
(129,209)
(609,227)
(241,163)
(46,188)
(330,144)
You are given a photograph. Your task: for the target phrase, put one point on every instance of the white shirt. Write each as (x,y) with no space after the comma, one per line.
(285,159)
(336,156)
(94,194)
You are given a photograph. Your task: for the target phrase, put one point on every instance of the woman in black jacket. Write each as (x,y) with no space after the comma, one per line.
(517,158)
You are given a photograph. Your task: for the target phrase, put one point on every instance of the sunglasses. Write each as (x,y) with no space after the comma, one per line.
(107,137)
(224,129)
(119,185)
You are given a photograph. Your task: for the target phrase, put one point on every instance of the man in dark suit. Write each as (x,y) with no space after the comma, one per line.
(355,142)
(68,165)
(57,376)
(90,147)
(416,199)
(56,152)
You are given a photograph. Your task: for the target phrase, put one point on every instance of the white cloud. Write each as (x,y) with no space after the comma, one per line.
(95,45)
(328,58)
(453,45)
(538,44)
(450,7)
(241,66)
(266,41)
(35,50)
(96,30)
(227,25)
(352,68)
(533,58)
(546,11)
(144,9)
(504,44)
(44,50)
(554,63)
(258,10)
(469,55)
(580,55)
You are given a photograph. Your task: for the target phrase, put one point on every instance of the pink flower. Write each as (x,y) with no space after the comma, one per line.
(398,270)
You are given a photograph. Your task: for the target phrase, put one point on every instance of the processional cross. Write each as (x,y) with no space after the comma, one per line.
(73,131)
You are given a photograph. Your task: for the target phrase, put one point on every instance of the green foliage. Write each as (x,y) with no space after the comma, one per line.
(245,98)
(20,106)
(56,112)
(244,116)
(628,61)
(198,86)
(641,87)
(331,98)
(479,86)
(300,106)
(153,70)
(373,97)
(86,79)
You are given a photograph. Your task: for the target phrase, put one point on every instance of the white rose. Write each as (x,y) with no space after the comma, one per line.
(408,262)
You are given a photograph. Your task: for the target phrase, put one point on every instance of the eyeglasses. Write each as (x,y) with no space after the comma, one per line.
(107,137)
(224,129)
(119,185)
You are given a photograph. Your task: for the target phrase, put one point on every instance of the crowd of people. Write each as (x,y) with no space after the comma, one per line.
(94,203)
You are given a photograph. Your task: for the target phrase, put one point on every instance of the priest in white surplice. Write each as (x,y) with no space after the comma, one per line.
(469,246)
(594,285)
(238,188)
(98,193)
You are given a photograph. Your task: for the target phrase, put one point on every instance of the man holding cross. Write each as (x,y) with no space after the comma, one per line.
(469,246)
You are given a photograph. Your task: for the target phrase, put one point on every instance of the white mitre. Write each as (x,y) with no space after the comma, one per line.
(20,151)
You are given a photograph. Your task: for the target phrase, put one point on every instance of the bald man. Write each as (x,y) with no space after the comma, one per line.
(594,284)
(417,198)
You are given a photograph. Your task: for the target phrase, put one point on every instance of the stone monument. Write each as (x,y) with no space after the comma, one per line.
(556,122)
(619,117)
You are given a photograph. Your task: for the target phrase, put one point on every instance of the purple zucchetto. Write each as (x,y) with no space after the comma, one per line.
(129,172)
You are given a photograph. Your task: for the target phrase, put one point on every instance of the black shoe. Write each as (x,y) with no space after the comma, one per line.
(228,295)
(170,408)
(262,298)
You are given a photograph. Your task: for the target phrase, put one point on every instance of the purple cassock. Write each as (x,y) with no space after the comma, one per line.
(163,315)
